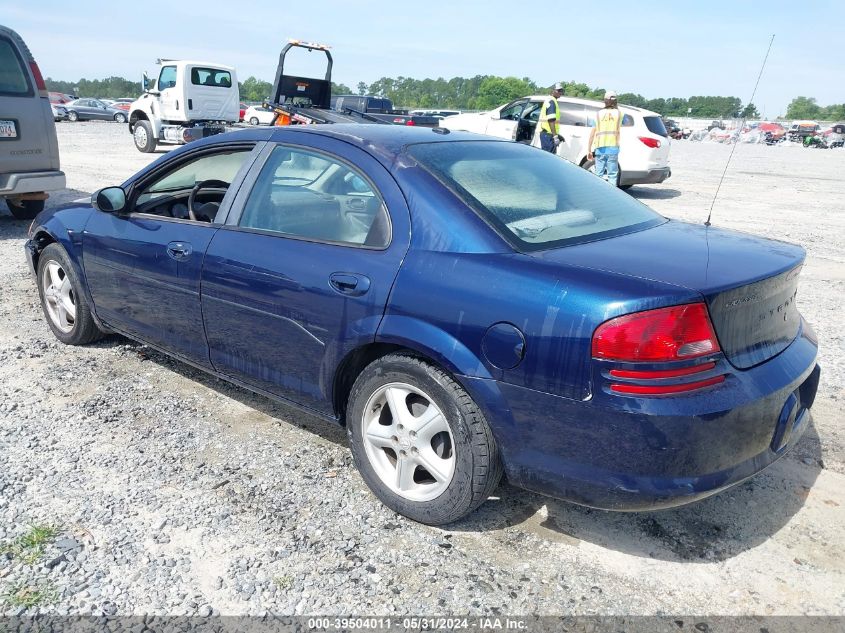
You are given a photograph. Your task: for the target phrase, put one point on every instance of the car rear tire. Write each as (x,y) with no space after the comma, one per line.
(64,304)
(72,116)
(253,121)
(419,441)
(120,117)
(143,137)
(25,209)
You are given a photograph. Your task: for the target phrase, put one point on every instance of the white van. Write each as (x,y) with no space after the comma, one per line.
(29,150)
(644,142)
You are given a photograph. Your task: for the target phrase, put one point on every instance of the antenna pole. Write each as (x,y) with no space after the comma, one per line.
(742,125)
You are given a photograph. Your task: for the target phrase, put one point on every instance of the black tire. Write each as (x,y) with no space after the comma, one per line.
(253,121)
(26,209)
(83,329)
(144,141)
(477,466)
(72,116)
(625,187)
(120,117)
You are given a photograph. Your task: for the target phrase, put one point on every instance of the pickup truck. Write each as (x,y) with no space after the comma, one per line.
(380,108)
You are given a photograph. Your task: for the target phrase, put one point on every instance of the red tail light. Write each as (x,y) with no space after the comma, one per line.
(39,80)
(666,334)
(650,142)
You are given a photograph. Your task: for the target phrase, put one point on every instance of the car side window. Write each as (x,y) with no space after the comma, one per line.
(314,196)
(512,112)
(572,114)
(167,195)
(167,77)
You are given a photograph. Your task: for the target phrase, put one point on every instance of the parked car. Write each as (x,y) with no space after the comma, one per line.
(59,112)
(674,130)
(644,147)
(243,107)
(29,149)
(60,98)
(258,114)
(441,114)
(122,104)
(92,110)
(587,346)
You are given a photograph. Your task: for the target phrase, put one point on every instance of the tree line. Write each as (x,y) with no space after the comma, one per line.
(482,92)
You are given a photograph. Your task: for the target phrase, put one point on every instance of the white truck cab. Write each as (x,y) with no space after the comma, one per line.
(189,100)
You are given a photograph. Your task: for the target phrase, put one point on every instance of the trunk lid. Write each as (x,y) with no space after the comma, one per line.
(750,283)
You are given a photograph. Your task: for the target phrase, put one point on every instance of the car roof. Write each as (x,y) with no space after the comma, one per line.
(384,142)
(386,139)
(592,102)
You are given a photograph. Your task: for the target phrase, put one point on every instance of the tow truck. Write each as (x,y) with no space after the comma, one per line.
(300,100)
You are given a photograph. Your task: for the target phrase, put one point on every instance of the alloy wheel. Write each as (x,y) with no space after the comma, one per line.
(59,297)
(408,442)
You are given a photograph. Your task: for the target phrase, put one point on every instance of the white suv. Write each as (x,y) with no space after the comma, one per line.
(644,142)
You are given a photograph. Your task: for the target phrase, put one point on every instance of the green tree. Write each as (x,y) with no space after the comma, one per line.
(494,91)
(362,88)
(750,112)
(803,108)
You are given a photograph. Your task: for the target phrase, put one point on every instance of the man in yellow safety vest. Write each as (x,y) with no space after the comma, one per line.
(549,118)
(604,139)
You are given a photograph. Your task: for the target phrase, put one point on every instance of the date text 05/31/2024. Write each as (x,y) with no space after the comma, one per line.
(417,624)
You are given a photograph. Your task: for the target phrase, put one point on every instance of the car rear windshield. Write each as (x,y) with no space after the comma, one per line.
(13,76)
(655,125)
(534,199)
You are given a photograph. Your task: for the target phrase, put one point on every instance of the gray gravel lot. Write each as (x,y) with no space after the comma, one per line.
(174,493)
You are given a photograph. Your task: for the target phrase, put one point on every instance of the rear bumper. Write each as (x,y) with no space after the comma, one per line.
(31,182)
(634,453)
(649,177)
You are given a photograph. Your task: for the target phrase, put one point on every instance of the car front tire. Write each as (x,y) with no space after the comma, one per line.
(420,442)
(143,137)
(25,209)
(64,305)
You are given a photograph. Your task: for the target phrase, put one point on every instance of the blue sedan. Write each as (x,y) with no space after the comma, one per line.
(465,306)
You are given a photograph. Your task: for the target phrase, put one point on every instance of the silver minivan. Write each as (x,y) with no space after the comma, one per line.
(29,150)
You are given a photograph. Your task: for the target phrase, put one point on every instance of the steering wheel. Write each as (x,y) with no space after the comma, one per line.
(201,185)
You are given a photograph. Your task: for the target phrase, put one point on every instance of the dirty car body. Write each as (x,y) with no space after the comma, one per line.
(621,360)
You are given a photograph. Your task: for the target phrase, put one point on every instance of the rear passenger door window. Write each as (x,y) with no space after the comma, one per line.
(13,76)
(309,195)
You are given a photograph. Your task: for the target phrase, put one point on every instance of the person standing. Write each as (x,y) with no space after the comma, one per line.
(604,139)
(549,120)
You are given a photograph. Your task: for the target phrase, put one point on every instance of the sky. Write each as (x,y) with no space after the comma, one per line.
(656,49)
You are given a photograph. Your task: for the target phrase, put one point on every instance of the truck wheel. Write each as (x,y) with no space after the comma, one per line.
(253,121)
(143,137)
(25,209)
(120,117)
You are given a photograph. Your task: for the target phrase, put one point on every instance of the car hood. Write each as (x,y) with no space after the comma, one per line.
(748,282)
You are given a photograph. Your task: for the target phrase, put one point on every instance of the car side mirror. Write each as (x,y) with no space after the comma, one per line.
(109,200)
(495,115)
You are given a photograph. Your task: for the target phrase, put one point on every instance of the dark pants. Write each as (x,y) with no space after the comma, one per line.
(547,141)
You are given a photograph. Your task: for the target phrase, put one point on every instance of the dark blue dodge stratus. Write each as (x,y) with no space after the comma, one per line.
(463,305)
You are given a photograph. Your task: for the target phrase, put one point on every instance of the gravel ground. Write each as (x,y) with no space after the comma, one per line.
(170,492)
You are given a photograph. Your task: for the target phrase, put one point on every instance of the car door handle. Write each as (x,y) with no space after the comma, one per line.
(179,250)
(350,284)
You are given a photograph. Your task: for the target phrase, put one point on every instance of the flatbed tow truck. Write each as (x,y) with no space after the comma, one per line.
(307,100)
